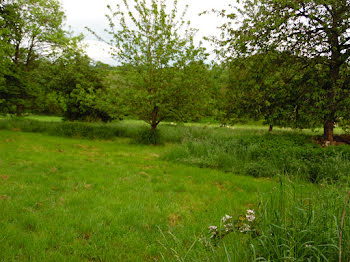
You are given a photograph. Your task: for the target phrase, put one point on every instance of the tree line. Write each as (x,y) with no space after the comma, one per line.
(285,62)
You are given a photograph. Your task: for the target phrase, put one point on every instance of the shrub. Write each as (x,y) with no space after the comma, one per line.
(148,136)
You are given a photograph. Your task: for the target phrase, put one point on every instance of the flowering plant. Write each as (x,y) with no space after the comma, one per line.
(244,224)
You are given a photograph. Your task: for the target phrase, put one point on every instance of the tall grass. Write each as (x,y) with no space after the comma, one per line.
(293,223)
(265,155)
(72,129)
(301,225)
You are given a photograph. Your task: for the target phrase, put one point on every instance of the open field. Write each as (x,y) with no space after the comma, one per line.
(94,192)
(69,199)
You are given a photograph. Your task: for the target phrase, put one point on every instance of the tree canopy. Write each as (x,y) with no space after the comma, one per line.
(156,44)
(316,32)
(30,30)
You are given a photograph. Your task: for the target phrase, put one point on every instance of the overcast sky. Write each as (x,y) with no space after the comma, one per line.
(91,13)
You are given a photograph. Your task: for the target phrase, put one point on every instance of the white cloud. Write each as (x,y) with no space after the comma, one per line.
(99,51)
(91,13)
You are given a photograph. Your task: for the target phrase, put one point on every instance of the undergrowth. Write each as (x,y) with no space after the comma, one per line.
(266,155)
(292,223)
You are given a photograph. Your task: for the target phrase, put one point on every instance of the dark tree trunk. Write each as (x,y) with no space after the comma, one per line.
(328,130)
(17,54)
(29,56)
(19,110)
(270,128)
(334,66)
(154,126)
(154,122)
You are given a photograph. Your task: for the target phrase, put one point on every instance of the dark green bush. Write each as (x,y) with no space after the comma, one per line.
(147,136)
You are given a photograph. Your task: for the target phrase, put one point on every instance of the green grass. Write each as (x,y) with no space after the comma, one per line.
(38,117)
(64,199)
(292,223)
(45,118)
(241,150)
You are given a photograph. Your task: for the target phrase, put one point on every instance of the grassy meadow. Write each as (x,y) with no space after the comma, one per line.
(96,192)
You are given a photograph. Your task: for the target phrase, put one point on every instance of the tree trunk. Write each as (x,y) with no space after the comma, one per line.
(270,128)
(154,126)
(328,130)
(29,56)
(154,122)
(19,110)
(17,53)
(334,66)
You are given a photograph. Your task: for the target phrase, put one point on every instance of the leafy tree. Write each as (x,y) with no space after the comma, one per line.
(31,29)
(157,47)
(5,49)
(74,87)
(35,27)
(272,87)
(317,31)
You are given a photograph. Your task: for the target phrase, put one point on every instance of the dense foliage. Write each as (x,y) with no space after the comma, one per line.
(316,33)
(43,67)
(29,30)
(286,64)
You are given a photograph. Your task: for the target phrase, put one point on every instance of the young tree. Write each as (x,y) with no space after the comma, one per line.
(317,31)
(157,46)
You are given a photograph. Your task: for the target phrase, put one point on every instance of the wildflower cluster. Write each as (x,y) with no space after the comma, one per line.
(217,233)
(244,224)
(227,223)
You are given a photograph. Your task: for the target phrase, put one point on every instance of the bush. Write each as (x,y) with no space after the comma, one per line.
(148,136)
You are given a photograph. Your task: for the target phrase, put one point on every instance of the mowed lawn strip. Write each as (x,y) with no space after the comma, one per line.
(88,200)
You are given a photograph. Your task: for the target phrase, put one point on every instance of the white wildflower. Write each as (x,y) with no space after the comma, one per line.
(228,227)
(213,228)
(250,218)
(250,212)
(245,228)
(226,218)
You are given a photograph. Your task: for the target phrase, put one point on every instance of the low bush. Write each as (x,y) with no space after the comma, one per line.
(148,136)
